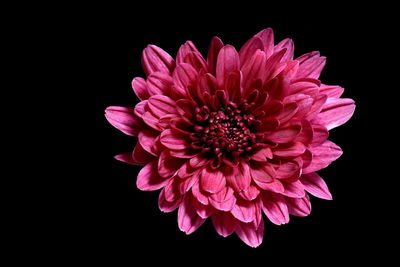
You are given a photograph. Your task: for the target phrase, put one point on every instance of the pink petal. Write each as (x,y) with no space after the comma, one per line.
(199,161)
(215,46)
(274,65)
(184,153)
(306,134)
(147,140)
(289,46)
(227,61)
(166,206)
(288,111)
(233,86)
(250,194)
(184,50)
(148,178)
(284,134)
(275,186)
(140,88)
(126,157)
(204,211)
(155,59)
(188,183)
(315,185)
(252,237)
(151,120)
(278,87)
(320,135)
(331,90)
(124,119)
(267,38)
(185,171)
(322,156)
(161,105)
(174,139)
(288,169)
(290,150)
(212,181)
(197,61)
(262,174)
(254,68)
(262,154)
(168,166)
(316,107)
(188,220)
(311,65)
(184,75)
(141,156)
(139,109)
(293,189)
(171,190)
(239,177)
(336,112)
(249,48)
(159,83)
(199,194)
(243,210)
(224,223)
(275,208)
(299,206)
(223,200)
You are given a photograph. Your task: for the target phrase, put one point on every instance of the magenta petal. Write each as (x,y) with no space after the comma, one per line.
(140,88)
(331,90)
(320,135)
(249,49)
(168,166)
(126,157)
(165,205)
(155,59)
(315,185)
(239,177)
(250,194)
(159,83)
(174,139)
(311,65)
(188,183)
(267,38)
(336,112)
(188,220)
(212,181)
(124,119)
(199,194)
(289,46)
(148,178)
(215,46)
(275,186)
(299,206)
(204,211)
(184,76)
(252,237)
(262,155)
(288,169)
(141,156)
(184,50)
(223,200)
(291,150)
(284,134)
(262,174)
(243,210)
(275,208)
(161,105)
(322,156)
(224,223)
(227,61)
(293,189)
(147,140)
(254,68)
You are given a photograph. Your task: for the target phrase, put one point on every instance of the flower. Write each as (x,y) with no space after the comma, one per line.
(235,135)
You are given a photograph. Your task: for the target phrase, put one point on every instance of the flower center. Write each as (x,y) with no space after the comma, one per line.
(227,130)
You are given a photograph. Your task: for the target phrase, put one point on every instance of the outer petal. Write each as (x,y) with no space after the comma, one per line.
(215,46)
(147,140)
(148,178)
(140,88)
(249,48)
(228,61)
(299,206)
(294,189)
(159,83)
(224,223)
(124,119)
(311,65)
(155,59)
(141,156)
(315,185)
(125,157)
(238,178)
(336,112)
(267,37)
(284,134)
(165,205)
(252,237)
(275,208)
(224,200)
(188,220)
(322,156)
(244,210)
(331,90)
(174,139)
(212,181)
(168,166)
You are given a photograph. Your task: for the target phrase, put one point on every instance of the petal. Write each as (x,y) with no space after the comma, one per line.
(336,112)
(159,83)
(315,185)
(126,157)
(148,178)
(288,169)
(254,68)
(155,59)
(188,183)
(275,186)
(224,223)
(250,194)
(151,120)
(262,155)
(196,60)
(239,177)
(184,75)
(284,134)
(262,174)
(198,161)
(161,105)
(199,194)
(124,119)
(249,48)
(243,210)
(293,189)
(204,211)
(168,166)
(223,200)
(289,46)
(213,51)
(140,88)
(320,135)
(184,50)
(166,206)
(188,220)
(141,156)
(289,150)
(227,61)
(299,206)
(147,140)
(331,90)
(267,38)
(174,139)
(252,237)
(311,65)
(212,181)
(275,208)
(139,108)
(322,156)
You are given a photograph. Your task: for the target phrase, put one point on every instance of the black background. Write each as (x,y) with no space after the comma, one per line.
(112,220)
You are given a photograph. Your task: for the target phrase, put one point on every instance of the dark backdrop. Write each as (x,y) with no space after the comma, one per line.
(117,221)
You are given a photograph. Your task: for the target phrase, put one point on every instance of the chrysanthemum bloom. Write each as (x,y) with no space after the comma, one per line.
(233,135)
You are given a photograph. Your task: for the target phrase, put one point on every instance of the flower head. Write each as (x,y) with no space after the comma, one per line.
(234,135)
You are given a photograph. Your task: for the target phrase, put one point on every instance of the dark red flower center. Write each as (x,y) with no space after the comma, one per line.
(228,130)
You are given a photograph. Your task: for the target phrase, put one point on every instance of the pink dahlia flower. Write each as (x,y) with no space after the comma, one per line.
(234,135)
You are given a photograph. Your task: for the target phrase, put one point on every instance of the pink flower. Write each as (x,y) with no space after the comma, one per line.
(234,135)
